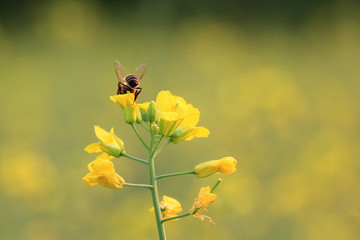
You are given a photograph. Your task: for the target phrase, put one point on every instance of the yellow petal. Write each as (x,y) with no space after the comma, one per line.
(124,100)
(192,117)
(199,132)
(166,101)
(103,136)
(144,105)
(172,205)
(94,147)
(104,156)
(227,165)
(205,197)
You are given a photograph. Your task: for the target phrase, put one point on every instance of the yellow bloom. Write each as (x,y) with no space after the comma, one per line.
(170,207)
(204,199)
(102,172)
(226,165)
(109,143)
(126,102)
(178,119)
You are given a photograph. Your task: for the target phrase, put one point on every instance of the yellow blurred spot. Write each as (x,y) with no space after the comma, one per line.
(25,174)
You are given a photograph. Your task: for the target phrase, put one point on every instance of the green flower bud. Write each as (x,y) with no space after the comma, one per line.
(206,169)
(152,112)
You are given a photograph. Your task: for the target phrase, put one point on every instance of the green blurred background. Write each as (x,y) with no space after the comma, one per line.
(277,84)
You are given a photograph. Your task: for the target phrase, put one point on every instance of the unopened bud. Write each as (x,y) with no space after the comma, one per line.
(152,112)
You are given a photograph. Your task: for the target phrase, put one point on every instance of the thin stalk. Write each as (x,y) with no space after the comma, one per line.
(216,184)
(138,185)
(146,127)
(176,217)
(174,174)
(135,158)
(158,143)
(138,135)
(162,147)
(154,190)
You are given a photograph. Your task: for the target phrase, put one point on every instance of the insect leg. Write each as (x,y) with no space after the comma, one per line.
(137,92)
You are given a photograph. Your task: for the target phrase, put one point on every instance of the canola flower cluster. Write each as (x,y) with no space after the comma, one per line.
(169,117)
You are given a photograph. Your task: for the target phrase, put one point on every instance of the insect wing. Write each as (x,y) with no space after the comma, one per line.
(119,70)
(140,70)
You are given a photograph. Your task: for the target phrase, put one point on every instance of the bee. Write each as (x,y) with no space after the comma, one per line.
(131,82)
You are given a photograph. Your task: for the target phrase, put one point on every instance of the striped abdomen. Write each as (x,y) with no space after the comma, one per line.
(132,80)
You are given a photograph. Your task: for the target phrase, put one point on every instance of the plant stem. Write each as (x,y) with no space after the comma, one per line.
(158,143)
(216,184)
(154,190)
(162,147)
(135,158)
(176,217)
(174,174)
(138,135)
(137,185)
(142,124)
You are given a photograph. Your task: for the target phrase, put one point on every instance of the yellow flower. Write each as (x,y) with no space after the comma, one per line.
(102,172)
(178,119)
(109,143)
(126,102)
(170,207)
(204,199)
(226,165)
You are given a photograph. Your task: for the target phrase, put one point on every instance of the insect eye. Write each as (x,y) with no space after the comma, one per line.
(133,83)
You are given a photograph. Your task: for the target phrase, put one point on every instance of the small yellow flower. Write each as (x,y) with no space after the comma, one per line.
(126,102)
(109,143)
(226,165)
(170,207)
(178,119)
(204,199)
(102,172)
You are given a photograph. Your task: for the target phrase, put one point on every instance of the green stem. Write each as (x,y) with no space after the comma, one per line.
(142,124)
(174,174)
(176,217)
(138,135)
(137,185)
(135,158)
(162,147)
(216,184)
(154,190)
(157,144)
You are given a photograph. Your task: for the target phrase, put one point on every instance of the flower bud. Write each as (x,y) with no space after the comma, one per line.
(227,165)
(206,169)
(152,112)
(155,127)
(224,165)
(143,110)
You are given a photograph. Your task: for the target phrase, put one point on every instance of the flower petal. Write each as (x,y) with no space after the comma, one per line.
(94,147)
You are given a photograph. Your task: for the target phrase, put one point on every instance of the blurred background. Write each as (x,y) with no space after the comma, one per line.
(277,84)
